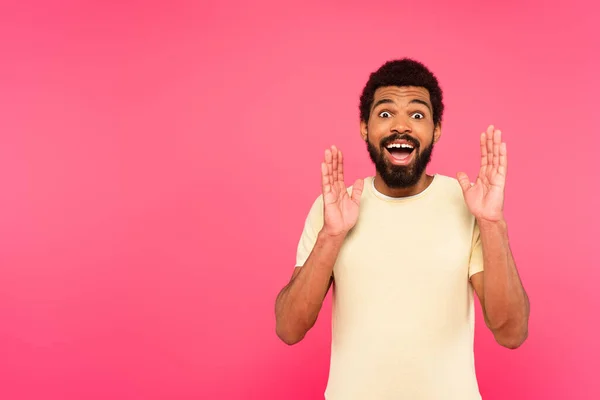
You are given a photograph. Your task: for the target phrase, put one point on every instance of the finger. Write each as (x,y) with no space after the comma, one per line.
(490,144)
(357,190)
(340,166)
(325,184)
(464,181)
(483,148)
(502,168)
(497,142)
(484,155)
(334,164)
(328,161)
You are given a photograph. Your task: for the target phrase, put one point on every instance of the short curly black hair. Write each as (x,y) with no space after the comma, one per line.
(403,72)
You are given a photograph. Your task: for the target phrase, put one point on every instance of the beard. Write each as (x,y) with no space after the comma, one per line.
(400,176)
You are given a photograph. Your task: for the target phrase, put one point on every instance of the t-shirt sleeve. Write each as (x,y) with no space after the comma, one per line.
(312,226)
(476,260)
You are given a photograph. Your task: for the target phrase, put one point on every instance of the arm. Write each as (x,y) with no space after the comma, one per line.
(299,302)
(501,294)
(503,299)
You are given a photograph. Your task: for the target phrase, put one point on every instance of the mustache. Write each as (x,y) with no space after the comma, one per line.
(399,136)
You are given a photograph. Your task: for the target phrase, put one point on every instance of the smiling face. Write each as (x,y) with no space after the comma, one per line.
(400,134)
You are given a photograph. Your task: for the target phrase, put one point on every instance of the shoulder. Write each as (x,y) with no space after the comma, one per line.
(451,193)
(449,186)
(448,183)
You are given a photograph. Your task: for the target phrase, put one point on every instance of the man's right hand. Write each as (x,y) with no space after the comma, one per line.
(340,208)
(299,302)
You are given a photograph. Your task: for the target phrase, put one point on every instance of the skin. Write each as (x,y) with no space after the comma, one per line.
(407,110)
(401,109)
(503,299)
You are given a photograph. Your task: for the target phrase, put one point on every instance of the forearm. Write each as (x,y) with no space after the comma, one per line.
(506,303)
(300,302)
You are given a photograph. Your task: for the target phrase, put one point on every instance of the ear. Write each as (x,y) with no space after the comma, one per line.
(363,130)
(437,133)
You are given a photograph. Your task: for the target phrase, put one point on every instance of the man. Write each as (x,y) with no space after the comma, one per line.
(404,251)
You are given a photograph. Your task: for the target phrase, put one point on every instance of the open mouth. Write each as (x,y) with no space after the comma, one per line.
(400,152)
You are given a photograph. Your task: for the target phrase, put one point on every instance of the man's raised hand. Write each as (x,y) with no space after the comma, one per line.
(485,197)
(340,208)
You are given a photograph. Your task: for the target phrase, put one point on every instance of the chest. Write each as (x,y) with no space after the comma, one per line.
(416,248)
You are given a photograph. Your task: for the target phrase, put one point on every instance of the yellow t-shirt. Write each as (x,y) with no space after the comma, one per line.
(403,321)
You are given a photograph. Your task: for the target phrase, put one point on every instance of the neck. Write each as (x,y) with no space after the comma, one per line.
(423,183)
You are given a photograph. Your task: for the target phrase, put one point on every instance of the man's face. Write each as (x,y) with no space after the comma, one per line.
(400,134)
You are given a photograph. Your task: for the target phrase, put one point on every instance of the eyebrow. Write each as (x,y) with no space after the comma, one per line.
(421,102)
(389,101)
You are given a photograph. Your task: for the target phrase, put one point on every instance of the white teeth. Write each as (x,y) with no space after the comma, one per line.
(400,146)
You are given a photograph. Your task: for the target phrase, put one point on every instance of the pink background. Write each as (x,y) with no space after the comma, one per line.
(157,162)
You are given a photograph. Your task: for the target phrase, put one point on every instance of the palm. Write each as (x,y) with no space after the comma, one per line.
(340,208)
(485,197)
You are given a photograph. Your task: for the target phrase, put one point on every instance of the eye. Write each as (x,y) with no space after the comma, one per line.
(418,115)
(385,114)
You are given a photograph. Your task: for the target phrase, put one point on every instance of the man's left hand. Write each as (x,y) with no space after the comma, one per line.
(485,197)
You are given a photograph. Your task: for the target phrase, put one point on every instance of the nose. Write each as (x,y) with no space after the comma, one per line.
(401,125)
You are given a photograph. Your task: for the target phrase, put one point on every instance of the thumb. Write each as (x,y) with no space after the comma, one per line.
(464,181)
(357,189)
